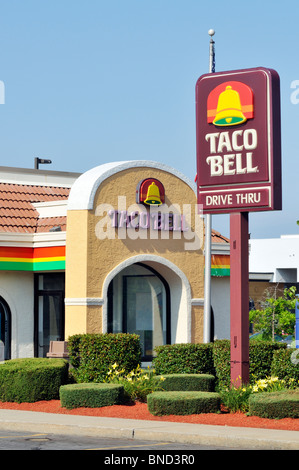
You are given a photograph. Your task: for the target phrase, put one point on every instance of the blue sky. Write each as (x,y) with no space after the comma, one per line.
(87,82)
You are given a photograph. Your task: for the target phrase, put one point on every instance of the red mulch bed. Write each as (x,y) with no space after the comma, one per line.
(140,411)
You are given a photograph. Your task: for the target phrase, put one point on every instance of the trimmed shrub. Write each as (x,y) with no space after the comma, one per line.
(275,405)
(92,395)
(73,347)
(260,360)
(92,355)
(285,364)
(30,380)
(186,358)
(186,382)
(183,403)
(221,360)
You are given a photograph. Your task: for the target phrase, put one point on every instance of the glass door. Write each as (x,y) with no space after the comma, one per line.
(50,327)
(144,308)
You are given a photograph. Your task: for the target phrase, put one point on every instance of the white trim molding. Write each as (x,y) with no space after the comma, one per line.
(33,240)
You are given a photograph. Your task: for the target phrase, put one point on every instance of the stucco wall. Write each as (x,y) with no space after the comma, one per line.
(16,288)
(92,254)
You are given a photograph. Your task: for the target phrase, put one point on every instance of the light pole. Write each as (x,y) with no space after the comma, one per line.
(208,234)
(38,161)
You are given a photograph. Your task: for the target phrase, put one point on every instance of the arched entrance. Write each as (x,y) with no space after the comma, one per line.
(5,330)
(106,234)
(139,302)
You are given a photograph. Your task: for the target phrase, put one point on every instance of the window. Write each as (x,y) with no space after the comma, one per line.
(139,302)
(49,311)
(5,331)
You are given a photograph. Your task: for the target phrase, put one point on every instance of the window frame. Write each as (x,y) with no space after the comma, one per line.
(43,292)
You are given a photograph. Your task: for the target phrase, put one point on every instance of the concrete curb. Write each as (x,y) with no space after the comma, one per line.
(184,433)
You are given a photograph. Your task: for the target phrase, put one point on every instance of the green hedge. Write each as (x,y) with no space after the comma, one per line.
(260,360)
(186,358)
(183,403)
(285,364)
(92,355)
(275,405)
(30,380)
(221,360)
(186,382)
(90,395)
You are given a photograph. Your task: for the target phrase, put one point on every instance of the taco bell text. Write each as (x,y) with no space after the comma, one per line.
(232,153)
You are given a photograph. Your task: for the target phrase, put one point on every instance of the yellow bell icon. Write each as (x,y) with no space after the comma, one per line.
(229,109)
(153,195)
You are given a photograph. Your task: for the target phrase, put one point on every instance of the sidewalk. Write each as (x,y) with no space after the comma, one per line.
(224,436)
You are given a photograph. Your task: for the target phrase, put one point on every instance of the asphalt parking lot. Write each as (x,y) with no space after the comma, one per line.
(20,440)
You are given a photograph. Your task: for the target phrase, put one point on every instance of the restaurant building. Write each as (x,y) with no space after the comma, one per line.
(119,248)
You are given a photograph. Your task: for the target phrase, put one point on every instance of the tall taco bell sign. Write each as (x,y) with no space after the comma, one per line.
(238,141)
(238,171)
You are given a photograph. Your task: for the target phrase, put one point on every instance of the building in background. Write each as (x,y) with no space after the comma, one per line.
(273,263)
(32,260)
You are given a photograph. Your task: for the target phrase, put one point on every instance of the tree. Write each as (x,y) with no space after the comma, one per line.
(276,314)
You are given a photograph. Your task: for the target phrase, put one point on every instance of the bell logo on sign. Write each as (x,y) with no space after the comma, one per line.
(230,104)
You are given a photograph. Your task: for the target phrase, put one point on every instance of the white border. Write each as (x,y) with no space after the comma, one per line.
(230,190)
(84,189)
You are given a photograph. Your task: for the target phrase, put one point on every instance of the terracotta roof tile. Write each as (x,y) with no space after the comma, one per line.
(218,238)
(17,214)
(46,223)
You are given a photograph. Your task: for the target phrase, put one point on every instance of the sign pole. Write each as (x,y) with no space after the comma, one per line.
(239,298)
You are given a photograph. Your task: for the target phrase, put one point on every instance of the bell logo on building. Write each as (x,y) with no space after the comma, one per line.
(150,192)
(230,104)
